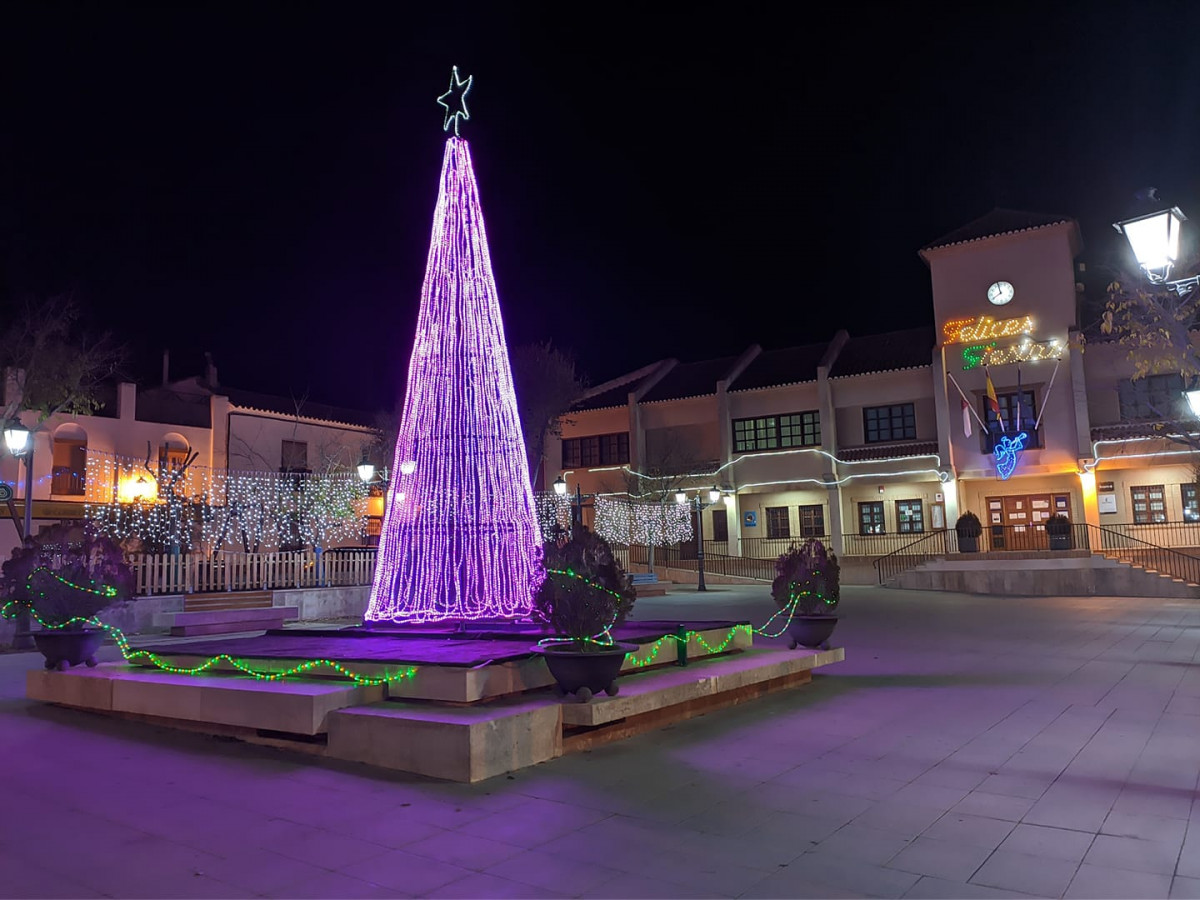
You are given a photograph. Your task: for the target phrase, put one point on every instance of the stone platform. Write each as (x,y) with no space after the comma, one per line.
(473,706)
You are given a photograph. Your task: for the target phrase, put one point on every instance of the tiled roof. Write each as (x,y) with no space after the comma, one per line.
(907,349)
(289,407)
(772,368)
(691,379)
(1132,430)
(617,396)
(888,451)
(998,221)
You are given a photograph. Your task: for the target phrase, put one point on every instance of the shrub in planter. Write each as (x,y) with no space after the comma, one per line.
(586,591)
(807,580)
(969,529)
(63,574)
(1058,527)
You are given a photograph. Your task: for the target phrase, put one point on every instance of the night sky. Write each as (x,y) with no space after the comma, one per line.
(258,180)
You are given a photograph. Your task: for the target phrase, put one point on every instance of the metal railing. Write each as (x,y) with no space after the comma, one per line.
(930,546)
(1123,547)
(1162,534)
(186,573)
(684,557)
(772,548)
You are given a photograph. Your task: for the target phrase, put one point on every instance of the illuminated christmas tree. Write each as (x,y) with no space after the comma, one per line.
(460,537)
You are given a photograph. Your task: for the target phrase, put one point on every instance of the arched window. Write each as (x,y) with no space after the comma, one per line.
(172,452)
(69,477)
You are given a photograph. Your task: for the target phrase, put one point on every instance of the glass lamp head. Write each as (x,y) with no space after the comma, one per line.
(681,496)
(366,471)
(1193,400)
(560,486)
(1154,239)
(16,438)
(714,496)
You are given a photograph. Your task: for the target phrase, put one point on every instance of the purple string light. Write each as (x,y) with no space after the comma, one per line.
(460,537)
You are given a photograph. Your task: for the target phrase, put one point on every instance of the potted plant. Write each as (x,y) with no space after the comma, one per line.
(1058,527)
(585,593)
(66,575)
(807,583)
(969,529)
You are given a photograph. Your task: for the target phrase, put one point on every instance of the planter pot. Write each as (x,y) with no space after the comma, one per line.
(1060,541)
(811,631)
(968,543)
(586,674)
(64,648)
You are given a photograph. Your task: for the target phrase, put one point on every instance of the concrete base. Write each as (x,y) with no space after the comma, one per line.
(455,743)
(295,706)
(451,740)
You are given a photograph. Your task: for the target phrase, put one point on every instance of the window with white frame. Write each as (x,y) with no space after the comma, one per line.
(1191,502)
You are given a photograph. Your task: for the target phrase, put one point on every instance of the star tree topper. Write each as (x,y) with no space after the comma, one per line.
(456,108)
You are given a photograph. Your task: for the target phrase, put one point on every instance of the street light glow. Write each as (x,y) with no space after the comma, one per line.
(1154,239)
(16,439)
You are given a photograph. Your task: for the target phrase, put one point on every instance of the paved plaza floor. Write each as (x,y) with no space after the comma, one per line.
(969,746)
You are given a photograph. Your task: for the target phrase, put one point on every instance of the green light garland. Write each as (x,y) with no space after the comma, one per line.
(143,656)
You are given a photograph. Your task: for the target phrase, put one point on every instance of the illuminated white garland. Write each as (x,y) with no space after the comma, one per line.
(651,524)
(219,508)
(553,512)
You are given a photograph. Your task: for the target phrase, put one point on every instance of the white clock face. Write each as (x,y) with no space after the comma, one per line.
(1000,293)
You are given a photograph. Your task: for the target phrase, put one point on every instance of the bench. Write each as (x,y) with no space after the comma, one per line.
(646,584)
(229,621)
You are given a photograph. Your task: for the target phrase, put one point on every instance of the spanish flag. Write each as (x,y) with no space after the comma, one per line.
(993,403)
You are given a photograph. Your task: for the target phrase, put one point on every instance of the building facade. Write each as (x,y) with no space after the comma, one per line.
(129,449)
(871,442)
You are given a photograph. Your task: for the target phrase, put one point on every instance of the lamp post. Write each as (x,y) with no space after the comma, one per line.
(714,497)
(560,488)
(20,444)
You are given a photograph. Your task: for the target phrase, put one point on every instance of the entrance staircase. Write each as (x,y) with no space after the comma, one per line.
(1105,563)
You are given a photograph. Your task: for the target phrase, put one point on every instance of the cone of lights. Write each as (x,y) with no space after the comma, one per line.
(460,538)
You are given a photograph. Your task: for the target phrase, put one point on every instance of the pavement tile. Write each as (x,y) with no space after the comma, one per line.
(1026,873)
(930,888)
(994,806)
(979,831)
(874,881)
(931,795)
(1100,882)
(1189,857)
(480,884)
(319,847)
(1049,843)
(636,887)
(401,871)
(469,852)
(951,775)
(261,871)
(860,842)
(903,818)
(954,861)
(1148,828)
(1016,785)
(1183,888)
(333,884)
(553,873)
(532,823)
(1133,853)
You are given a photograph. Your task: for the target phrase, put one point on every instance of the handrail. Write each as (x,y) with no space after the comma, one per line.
(936,543)
(1136,552)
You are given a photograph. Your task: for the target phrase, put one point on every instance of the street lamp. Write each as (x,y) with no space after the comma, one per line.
(560,489)
(366,470)
(714,497)
(1154,239)
(20,444)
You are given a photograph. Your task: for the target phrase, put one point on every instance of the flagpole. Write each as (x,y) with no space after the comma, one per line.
(982,424)
(1046,394)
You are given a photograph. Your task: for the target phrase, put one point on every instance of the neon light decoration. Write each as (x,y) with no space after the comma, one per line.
(458,91)
(464,544)
(1006,452)
(1026,351)
(984,328)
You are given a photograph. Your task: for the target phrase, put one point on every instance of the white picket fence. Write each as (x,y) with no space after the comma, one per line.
(188,573)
